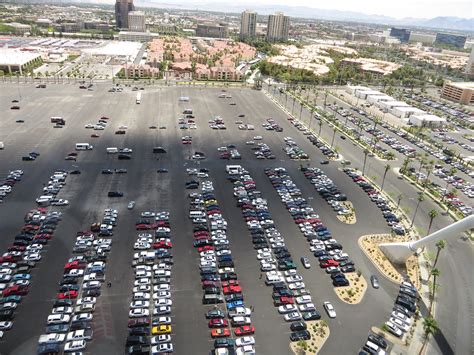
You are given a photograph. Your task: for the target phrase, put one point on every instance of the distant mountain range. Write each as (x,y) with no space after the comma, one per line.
(437,23)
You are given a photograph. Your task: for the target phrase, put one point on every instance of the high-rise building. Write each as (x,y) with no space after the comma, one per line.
(470,64)
(278,27)
(401,33)
(122,8)
(457,41)
(248,24)
(136,21)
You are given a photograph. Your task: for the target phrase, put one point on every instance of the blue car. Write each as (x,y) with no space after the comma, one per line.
(21,277)
(234,304)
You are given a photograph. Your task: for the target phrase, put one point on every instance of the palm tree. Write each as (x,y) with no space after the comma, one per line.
(320,123)
(430,326)
(421,198)
(404,167)
(387,168)
(333,135)
(432,214)
(440,244)
(435,273)
(366,151)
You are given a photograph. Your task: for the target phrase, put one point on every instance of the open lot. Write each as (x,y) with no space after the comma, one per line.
(87,194)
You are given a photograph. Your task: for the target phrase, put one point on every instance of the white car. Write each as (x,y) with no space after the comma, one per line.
(303,299)
(404,318)
(294,278)
(292,316)
(160,339)
(164,348)
(91,284)
(329,309)
(141,296)
(75,345)
(143,281)
(162,294)
(58,319)
(163,302)
(245,341)
(161,287)
(162,320)
(400,324)
(62,310)
(257,138)
(84,300)
(60,202)
(142,288)
(307,307)
(141,246)
(287,308)
(141,274)
(51,338)
(138,312)
(296,285)
(81,334)
(32,257)
(139,304)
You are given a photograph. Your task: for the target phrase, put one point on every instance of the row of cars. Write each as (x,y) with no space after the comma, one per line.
(290,295)
(187,122)
(99,125)
(389,214)
(327,151)
(8,182)
(324,247)
(327,189)
(217,123)
(52,188)
(229,152)
(32,156)
(293,151)
(19,260)
(271,125)
(149,324)
(218,277)
(70,324)
(261,150)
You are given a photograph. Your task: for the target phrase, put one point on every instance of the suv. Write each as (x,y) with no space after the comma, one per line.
(115,194)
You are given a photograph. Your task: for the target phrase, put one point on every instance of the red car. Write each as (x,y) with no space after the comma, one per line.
(187,142)
(218,323)
(164,245)
(328,263)
(244,330)
(142,227)
(67,295)
(201,237)
(287,300)
(9,259)
(232,289)
(220,333)
(201,233)
(139,322)
(75,265)
(208,283)
(43,236)
(205,248)
(230,283)
(15,290)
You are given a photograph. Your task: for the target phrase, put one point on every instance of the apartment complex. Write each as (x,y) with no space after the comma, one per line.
(211,30)
(248,24)
(136,21)
(122,9)
(278,27)
(462,93)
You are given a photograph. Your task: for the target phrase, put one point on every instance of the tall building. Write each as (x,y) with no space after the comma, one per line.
(278,27)
(401,33)
(211,30)
(470,64)
(457,41)
(424,38)
(122,8)
(248,24)
(136,21)
(462,93)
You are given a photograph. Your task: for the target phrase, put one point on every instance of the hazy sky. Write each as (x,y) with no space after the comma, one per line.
(393,8)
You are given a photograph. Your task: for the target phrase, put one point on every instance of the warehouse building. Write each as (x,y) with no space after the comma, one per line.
(426,120)
(16,61)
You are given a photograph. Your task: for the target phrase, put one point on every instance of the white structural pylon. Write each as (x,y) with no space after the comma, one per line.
(399,252)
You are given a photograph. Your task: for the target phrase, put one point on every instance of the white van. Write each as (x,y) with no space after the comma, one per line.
(233,169)
(2,145)
(196,214)
(112,150)
(84,146)
(271,279)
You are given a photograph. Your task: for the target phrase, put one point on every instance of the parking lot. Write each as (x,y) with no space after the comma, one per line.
(152,191)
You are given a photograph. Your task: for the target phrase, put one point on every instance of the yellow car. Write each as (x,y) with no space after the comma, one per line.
(161,329)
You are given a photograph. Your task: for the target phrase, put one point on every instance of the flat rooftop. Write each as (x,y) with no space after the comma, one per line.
(9,56)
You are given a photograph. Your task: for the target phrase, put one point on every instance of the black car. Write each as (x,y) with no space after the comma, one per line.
(314,315)
(378,340)
(48,349)
(57,328)
(63,303)
(137,340)
(138,350)
(28,158)
(300,335)
(139,331)
(162,170)
(75,172)
(107,171)
(124,157)
(298,326)
(115,194)
(91,293)
(6,315)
